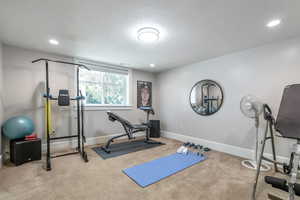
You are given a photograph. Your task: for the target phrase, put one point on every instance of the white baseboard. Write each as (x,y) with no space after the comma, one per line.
(69,144)
(230,149)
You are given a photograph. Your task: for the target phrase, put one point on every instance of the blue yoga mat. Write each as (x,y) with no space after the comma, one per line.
(150,172)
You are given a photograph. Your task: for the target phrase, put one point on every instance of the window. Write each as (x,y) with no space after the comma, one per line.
(105,87)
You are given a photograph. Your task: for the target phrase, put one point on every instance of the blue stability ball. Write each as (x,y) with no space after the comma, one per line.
(18,127)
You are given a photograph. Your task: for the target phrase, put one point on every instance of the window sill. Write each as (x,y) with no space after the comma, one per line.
(105,108)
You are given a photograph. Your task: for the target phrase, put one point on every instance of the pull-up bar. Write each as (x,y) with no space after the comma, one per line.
(63,62)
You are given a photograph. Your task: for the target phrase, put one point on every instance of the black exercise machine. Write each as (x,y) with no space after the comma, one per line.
(288,125)
(64,99)
(130,128)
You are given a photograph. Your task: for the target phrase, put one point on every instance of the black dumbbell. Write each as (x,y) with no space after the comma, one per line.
(186,144)
(199,148)
(191,145)
(206,149)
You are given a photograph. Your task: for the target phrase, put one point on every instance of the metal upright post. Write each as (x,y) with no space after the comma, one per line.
(78,109)
(82,125)
(269,126)
(273,145)
(148,124)
(260,161)
(83,139)
(48,162)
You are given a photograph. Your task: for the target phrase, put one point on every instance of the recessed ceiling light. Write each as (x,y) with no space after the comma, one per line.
(152,65)
(54,42)
(148,34)
(273,23)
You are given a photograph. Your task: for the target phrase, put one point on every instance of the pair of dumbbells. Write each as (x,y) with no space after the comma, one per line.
(194,148)
(186,148)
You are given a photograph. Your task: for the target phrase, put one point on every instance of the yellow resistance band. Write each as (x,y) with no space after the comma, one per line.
(49,117)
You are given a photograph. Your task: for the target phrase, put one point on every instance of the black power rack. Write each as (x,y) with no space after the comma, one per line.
(80,113)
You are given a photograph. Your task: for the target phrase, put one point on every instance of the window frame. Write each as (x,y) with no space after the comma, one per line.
(97,67)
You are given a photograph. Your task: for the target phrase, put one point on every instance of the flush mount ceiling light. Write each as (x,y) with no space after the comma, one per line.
(152,65)
(273,23)
(53,42)
(148,34)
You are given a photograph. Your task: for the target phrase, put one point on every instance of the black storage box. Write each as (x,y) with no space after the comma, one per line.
(155,128)
(22,151)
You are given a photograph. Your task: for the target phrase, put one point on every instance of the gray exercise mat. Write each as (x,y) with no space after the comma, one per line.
(123,148)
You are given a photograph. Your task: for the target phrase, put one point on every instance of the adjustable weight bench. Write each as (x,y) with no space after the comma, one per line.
(129,128)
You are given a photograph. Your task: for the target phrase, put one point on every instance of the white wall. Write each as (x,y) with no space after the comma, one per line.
(1,101)
(24,87)
(263,72)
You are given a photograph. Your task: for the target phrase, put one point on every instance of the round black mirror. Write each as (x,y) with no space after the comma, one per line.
(206,97)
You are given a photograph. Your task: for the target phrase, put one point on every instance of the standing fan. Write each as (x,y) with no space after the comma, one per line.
(251,107)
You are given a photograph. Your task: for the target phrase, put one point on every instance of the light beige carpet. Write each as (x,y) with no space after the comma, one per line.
(220,177)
